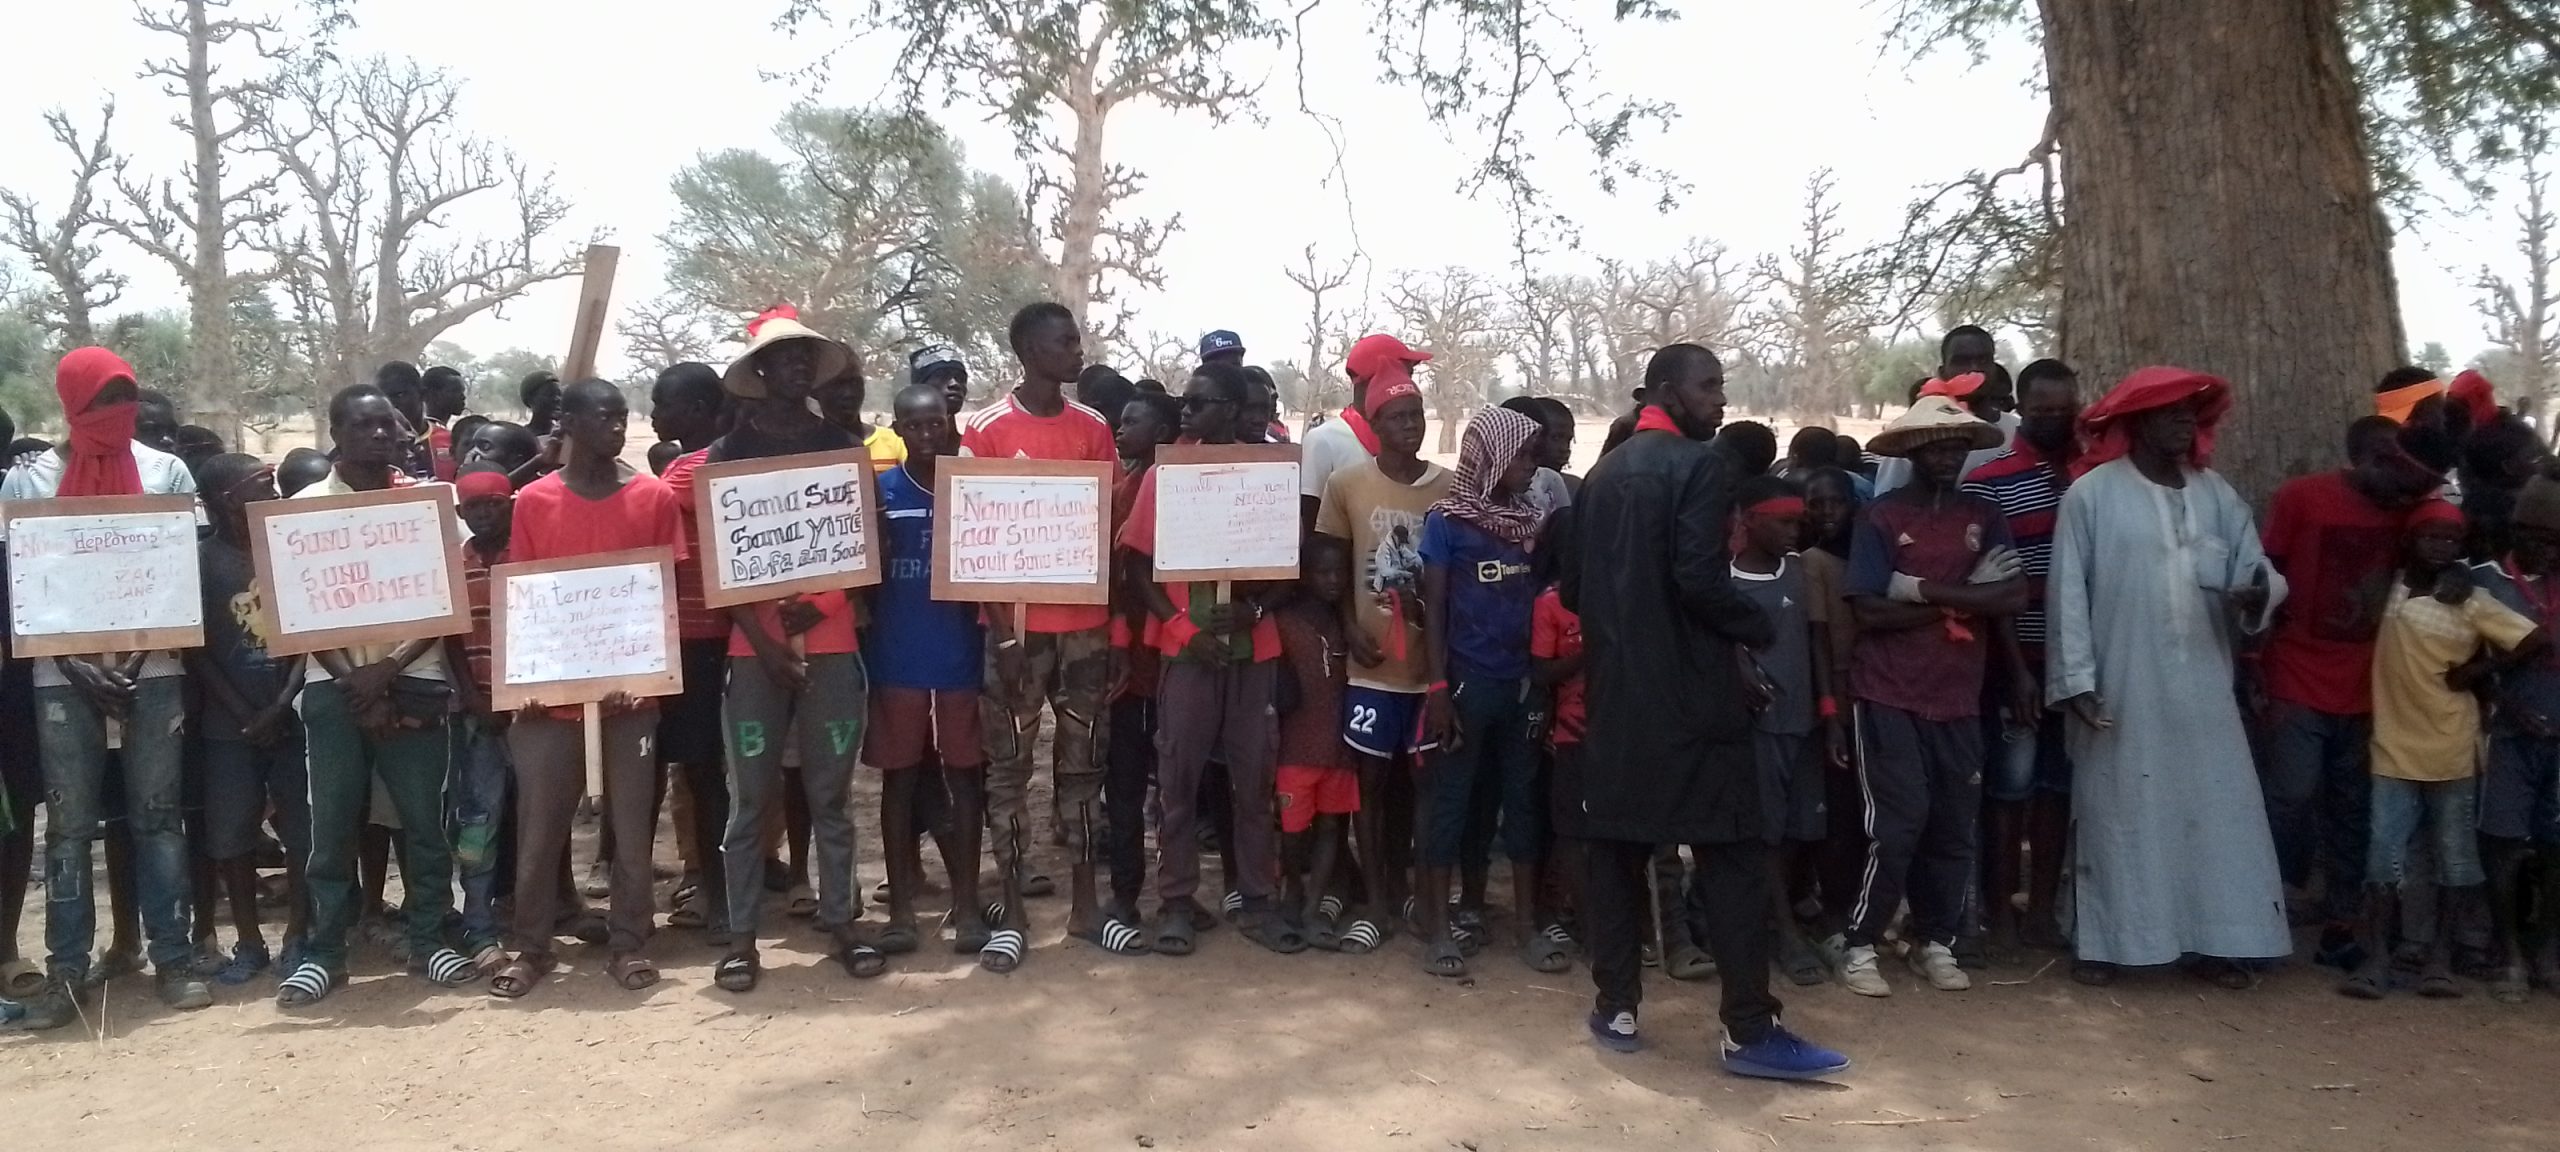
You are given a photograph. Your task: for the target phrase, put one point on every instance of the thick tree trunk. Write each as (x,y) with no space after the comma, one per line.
(2222,217)
(211,359)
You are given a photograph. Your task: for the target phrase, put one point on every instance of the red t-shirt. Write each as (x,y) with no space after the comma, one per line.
(1138,534)
(2337,551)
(693,621)
(1555,633)
(1005,429)
(553,523)
(1311,640)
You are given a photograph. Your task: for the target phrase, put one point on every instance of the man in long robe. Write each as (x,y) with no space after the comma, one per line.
(2156,571)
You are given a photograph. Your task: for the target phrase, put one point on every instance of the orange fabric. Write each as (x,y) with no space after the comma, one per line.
(2398,403)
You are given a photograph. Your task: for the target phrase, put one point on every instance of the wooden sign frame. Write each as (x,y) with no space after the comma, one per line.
(706,526)
(115,640)
(1178,455)
(325,639)
(947,468)
(595,295)
(505,697)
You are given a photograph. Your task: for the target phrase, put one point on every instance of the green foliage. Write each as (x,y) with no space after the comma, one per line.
(156,344)
(1886,372)
(26,365)
(492,383)
(2434,358)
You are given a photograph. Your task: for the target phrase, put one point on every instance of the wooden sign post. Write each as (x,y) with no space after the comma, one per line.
(595,295)
(1021,532)
(93,575)
(363,568)
(579,629)
(1226,512)
(786,525)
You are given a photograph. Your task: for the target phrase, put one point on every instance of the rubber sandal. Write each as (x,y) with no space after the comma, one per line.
(1360,939)
(488,957)
(521,975)
(446,968)
(2093,973)
(1802,965)
(1232,906)
(1542,954)
(737,972)
(1039,884)
(631,971)
(689,911)
(1330,909)
(2511,986)
(584,925)
(2439,985)
(1003,952)
(309,984)
(896,939)
(1443,959)
(1272,932)
(1689,962)
(1175,934)
(1202,919)
(599,882)
(2370,982)
(23,980)
(802,903)
(1117,937)
(967,939)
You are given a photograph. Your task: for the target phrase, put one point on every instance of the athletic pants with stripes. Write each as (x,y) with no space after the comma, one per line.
(1922,781)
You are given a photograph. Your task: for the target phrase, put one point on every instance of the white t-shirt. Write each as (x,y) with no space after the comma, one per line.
(38,476)
(1330,448)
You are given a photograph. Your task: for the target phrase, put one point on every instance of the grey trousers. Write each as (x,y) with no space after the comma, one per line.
(759,716)
(551,776)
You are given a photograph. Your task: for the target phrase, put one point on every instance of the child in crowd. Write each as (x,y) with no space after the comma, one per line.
(1929,570)
(1148,421)
(925,657)
(1830,509)
(1478,588)
(252,741)
(2520,789)
(1319,790)
(1555,654)
(1220,671)
(1789,676)
(481,781)
(2426,725)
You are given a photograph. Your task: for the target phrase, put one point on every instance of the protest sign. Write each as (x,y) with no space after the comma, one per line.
(1226,512)
(786,525)
(581,628)
(1022,531)
(361,568)
(97,574)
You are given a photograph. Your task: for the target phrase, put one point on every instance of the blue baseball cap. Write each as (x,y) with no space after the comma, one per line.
(925,360)
(1221,341)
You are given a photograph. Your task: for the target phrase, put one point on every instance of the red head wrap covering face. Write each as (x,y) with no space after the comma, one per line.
(101,455)
(2472,392)
(2107,426)
(1493,440)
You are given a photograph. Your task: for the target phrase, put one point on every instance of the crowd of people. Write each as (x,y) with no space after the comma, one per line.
(2018,673)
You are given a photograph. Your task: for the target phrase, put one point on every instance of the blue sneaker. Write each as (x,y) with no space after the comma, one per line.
(1781,1055)
(1615,1032)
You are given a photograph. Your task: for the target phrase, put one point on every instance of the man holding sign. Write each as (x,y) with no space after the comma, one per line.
(594,504)
(368,710)
(85,704)
(1056,653)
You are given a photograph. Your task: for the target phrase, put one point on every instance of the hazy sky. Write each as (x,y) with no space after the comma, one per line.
(614,97)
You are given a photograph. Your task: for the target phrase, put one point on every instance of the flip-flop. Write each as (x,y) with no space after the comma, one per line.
(446,968)
(2093,973)
(802,903)
(1039,884)
(1796,957)
(520,975)
(862,961)
(1202,919)
(895,939)
(631,971)
(2439,986)
(1360,939)
(2511,986)
(1689,962)
(1442,958)
(1232,906)
(308,984)
(1118,937)
(1003,952)
(689,911)
(737,972)
(1543,954)
(23,980)
(2370,982)
(969,939)
(1273,932)
(1175,935)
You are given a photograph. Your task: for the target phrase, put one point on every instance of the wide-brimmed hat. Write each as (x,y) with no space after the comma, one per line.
(1929,420)
(777,324)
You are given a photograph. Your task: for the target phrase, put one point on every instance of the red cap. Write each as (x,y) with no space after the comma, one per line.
(1376,351)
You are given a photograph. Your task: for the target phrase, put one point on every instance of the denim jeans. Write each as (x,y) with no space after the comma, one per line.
(2447,808)
(479,809)
(2317,788)
(73,740)
(1496,755)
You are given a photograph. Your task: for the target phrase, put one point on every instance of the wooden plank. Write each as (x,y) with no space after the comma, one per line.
(949,470)
(93,642)
(1200,455)
(505,697)
(283,643)
(710,544)
(595,295)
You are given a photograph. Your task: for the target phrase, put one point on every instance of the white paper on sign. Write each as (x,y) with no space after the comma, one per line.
(788,525)
(586,624)
(349,567)
(1025,530)
(103,573)
(1238,515)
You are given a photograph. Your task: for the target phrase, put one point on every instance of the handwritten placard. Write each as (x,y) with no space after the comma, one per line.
(1022,531)
(578,629)
(1226,512)
(785,525)
(361,568)
(96,574)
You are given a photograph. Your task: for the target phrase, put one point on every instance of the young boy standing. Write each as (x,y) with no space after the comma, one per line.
(1766,570)
(1478,589)
(594,504)
(1376,507)
(1930,570)
(1220,672)
(1319,791)
(252,745)
(1148,421)
(688,407)
(2520,789)
(482,781)
(2426,725)
(925,664)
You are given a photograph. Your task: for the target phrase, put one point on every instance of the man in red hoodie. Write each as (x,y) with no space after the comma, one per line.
(78,699)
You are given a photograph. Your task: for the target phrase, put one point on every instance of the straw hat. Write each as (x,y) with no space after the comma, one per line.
(777,324)
(1931,419)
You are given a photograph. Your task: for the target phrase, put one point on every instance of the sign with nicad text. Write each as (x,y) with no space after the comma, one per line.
(1022,531)
(98,574)
(786,525)
(362,568)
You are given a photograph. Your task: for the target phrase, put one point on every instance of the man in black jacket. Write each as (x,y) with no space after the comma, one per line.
(1668,753)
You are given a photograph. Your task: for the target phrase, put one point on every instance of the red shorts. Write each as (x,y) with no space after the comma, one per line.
(1306,793)
(908,722)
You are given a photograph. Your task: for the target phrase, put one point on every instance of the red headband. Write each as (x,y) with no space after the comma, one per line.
(1953,387)
(1777,506)
(474,485)
(2433,512)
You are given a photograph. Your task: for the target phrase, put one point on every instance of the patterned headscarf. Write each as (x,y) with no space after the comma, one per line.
(1493,440)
